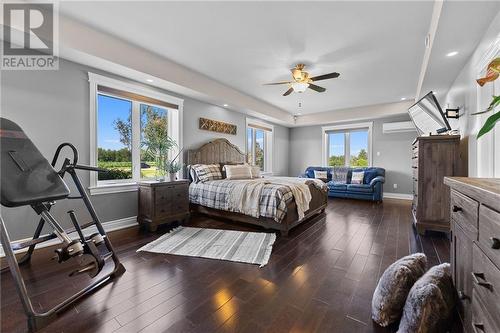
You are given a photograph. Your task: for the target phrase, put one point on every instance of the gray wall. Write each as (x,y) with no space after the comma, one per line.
(53,107)
(306,148)
(464,94)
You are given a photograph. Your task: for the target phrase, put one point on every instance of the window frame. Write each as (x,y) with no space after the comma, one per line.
(175,127)
(347,141)
(268,143)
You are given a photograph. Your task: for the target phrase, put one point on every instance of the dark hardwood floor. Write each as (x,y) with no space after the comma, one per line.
(319,279)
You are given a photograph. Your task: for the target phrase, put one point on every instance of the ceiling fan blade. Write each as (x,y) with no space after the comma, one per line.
(325,76)
(316,88)
(288,92)
(276,83)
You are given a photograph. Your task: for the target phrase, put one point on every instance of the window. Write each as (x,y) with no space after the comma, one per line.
(128,124)
(347,145)
(259,145)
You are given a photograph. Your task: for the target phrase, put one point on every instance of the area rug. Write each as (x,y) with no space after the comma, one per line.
(239,246)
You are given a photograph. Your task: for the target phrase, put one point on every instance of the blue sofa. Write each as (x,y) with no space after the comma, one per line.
(371,189)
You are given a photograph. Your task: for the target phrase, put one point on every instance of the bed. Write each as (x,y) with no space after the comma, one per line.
(278,207)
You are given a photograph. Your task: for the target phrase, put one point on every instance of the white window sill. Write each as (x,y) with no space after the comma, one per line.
(113,188)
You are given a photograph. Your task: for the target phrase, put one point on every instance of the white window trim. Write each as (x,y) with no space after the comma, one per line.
(268,160)
(326,129)
(96,80)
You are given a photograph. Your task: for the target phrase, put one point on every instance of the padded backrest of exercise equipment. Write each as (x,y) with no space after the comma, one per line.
(26,176)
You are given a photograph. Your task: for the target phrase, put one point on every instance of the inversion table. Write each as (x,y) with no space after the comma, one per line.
(28,179)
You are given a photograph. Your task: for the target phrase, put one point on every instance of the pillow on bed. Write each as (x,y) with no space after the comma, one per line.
(238,172)
(393,287)
(206,172)
(193,177)
(255,170)
(223,170)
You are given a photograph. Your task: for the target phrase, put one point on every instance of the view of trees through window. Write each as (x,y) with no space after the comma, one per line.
(256,146)
(114,150)
(114,137)
(353,144)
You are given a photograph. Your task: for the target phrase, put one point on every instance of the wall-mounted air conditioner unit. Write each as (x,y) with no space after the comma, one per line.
(398,127)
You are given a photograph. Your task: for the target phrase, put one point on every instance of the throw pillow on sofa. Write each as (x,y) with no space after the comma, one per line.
(369,175)
(430,302)
(357,177)
(323,175)
(339,174)
(393,287)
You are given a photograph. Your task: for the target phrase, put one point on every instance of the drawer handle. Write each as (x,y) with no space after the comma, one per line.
(483,283)
(463,296)
(456,209)
(477,326)
(495,243)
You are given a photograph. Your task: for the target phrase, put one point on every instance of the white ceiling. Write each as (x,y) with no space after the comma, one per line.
(377,47)
(461,27)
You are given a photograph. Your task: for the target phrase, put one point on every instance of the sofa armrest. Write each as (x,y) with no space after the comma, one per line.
(377,179)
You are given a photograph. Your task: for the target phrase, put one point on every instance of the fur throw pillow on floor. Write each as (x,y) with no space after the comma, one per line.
(430,302)
(393,287)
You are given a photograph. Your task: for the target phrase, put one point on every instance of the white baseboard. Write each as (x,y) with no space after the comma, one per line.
(126,222)
(402,196)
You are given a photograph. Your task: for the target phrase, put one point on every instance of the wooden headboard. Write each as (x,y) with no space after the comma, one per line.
(216,151)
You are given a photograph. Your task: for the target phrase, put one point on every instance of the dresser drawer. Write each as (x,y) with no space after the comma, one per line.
(164,209)
(180,207)
(163,195)
(482,320)
(180,193)
(486,282)
(464,211)
(489,233)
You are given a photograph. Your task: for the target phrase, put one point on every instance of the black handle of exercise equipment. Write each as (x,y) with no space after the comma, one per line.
(73,164)
(90,168)
(58,151)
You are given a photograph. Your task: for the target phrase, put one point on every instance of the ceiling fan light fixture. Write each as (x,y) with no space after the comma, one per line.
(300,87)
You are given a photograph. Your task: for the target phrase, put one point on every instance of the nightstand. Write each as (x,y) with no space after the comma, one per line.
(163,202)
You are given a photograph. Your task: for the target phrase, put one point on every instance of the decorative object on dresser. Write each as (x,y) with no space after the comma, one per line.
(162,202)
(433,158)
(217,126)
(475,250)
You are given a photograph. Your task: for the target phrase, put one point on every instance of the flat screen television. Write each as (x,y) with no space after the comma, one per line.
(428,117)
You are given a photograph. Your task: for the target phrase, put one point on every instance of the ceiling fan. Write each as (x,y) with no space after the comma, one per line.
(301,80)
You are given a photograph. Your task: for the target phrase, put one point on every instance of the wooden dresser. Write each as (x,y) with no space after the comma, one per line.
(475,250)
(163,202)
(433,158)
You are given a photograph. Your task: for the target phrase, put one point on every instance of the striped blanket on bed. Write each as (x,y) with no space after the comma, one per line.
(273,200)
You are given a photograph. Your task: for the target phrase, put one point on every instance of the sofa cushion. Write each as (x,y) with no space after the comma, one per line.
(323,175)
(340,174)
(393,287)
(365,188)
(369,175)
(310,172)
(336,186)
(357,177)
